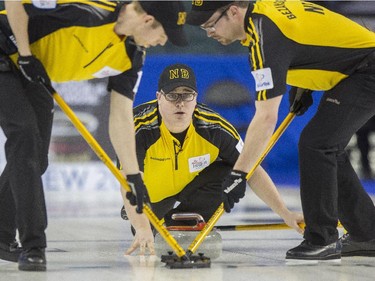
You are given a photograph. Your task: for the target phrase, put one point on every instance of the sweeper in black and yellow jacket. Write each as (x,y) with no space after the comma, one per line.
(64,41)
(305,45)
(185,150)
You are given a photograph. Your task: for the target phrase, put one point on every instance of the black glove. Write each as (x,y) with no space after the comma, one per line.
(234,187)
(299,100)
(33,69)
(139,194)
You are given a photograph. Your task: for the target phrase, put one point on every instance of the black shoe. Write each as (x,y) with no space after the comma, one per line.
(33,259)
(352,248)
(308,252)
(10,251)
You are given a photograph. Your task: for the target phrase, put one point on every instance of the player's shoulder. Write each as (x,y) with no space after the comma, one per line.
(145,108)
(204,114)
(146,114)
(204,108)
(207,119)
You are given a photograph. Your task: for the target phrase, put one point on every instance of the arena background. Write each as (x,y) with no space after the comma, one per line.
(224,82)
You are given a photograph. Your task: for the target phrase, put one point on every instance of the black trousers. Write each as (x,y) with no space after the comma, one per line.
(26,114)
(203,196)
(330,188)
(364,146)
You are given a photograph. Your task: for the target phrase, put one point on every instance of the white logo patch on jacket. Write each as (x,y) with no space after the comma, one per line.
(106,72)
(44,4)
(263,79)
(199,163)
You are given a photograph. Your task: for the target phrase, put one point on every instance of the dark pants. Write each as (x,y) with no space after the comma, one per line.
(330,188)
(26,114)
(363,144)
(203,196)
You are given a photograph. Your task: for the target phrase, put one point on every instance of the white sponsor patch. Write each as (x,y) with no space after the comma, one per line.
(105,72)
(44,4)
(263,79)
(239,146)
(199,163)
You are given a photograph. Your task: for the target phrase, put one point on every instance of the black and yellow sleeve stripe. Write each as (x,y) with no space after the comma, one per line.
(148,114)
(256,56)
(214,118)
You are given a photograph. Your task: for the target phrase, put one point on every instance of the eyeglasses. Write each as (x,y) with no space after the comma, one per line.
(212,28)
(174,97)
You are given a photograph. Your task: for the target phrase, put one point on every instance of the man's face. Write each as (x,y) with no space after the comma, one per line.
(144,28)
(177,107)
(221,26)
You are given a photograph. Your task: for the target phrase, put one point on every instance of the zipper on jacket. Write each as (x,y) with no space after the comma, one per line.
(106,48)
(176,146)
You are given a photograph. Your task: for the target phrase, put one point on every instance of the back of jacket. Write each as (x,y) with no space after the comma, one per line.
(302,44)
(75,40)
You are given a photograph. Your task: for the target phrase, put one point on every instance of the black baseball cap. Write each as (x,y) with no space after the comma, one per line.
(171,15)
(177,75)
(202,10)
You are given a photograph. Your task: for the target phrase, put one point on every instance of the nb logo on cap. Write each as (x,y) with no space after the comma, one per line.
(197,2)
(181,18)
(179,73)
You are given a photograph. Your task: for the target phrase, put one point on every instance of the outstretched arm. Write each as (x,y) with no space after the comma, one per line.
(259,133)
(122,135)
(266,190)
(144,238)
(258,136)
(121,131)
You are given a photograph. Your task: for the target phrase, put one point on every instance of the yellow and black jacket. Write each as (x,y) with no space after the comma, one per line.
(302,44)
(169,166)
(75,41)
